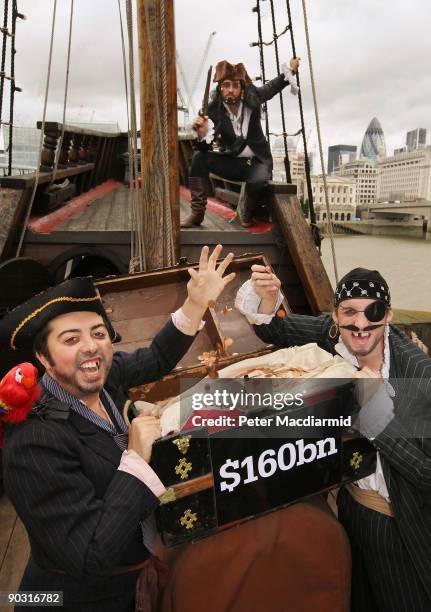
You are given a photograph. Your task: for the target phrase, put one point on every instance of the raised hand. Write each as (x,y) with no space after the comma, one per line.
(294,64)
(200,125)
(206,284)
(267,287)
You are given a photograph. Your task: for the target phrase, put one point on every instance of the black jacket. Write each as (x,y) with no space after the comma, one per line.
(255,138)
(405,444)
(82,515)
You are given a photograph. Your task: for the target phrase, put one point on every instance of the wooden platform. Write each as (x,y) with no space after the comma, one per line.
(106,223)
(14,548)
(100,235)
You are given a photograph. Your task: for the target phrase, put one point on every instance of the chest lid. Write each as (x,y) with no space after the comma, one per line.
(139,305)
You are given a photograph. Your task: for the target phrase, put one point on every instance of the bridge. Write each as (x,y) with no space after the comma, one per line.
(415,208)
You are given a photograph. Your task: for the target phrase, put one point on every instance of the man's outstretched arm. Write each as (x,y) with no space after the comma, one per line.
(258,300)
(287,77)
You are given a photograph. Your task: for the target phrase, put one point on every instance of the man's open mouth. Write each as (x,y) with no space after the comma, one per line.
(361,334)
(92,365)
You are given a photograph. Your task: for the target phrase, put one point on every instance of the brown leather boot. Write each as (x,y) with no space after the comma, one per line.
(246,216)
(198,202)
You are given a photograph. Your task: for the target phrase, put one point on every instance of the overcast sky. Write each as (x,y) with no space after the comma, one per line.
(370,58)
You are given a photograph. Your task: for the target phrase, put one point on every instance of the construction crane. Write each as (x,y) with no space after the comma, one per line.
(191,91)
(202,64)
(189,101)
(182,107)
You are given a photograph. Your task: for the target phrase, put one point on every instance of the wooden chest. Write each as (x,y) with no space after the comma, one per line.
(217,477)
(140,304)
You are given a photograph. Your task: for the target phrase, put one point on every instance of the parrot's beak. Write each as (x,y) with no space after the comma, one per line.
(28,382)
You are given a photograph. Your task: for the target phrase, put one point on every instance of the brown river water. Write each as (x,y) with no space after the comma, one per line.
(405,263)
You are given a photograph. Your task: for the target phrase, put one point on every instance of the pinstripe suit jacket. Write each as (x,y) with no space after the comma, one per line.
(82,515)
(405,444)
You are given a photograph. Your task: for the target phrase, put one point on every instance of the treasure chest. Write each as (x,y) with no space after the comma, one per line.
(220,470)
(139,305)
(218,478)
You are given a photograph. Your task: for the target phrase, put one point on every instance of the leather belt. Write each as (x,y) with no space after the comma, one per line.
(370,499)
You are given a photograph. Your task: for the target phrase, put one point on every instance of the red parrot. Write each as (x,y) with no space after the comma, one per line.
(18,391)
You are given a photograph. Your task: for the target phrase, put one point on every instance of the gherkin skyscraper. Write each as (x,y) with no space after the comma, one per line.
(373,144)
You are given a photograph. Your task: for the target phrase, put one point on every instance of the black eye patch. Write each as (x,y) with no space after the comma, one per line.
(376,311)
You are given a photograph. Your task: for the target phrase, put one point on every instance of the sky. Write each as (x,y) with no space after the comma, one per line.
(370,58)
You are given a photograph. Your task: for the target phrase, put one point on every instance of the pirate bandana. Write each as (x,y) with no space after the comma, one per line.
(365,284)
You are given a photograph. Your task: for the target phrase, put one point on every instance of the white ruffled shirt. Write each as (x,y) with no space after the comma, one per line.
(247,302)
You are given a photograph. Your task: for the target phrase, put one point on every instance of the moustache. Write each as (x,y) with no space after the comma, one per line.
(230,101)
(356,329)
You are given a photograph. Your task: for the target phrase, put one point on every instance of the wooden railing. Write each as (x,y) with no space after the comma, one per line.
(87,157)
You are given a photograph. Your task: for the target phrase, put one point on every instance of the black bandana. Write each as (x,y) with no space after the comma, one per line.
(362,283)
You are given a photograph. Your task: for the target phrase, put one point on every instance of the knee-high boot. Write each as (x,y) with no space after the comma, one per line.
(198,202)
(246,216)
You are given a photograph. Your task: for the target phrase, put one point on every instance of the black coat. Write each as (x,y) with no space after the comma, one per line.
(255,138)
(82,515)
(405,444)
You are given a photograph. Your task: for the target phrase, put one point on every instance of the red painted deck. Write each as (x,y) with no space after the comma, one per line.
(48,223)
(222,209)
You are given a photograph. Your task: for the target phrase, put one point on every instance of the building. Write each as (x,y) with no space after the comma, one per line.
(110,127)
(406,176)
(364,173)
(296,160)
(26,143)
(402,149)
(25,149)
(341,197)
(416,139)
(340,154)
(373,144)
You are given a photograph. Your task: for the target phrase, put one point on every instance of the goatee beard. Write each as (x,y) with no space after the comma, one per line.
(232,101)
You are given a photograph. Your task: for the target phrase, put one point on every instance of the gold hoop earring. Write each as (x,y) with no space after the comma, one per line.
(334,331)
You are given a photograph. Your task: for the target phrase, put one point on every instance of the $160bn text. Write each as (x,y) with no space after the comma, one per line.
(289,455)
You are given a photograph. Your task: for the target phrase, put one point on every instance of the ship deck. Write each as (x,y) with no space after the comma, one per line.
(102,217)
(14,548)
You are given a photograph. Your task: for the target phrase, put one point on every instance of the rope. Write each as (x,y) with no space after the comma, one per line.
(286,134)
(138,256)
(276,37)
(262,64)
(66,87)
(169,243)
(12,85)
(42,131)
(283,122)
(3,54)
(315,229)
(316,113)
(129,149)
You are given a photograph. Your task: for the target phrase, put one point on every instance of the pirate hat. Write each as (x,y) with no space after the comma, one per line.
(234,72)
(19,326)
(363,283)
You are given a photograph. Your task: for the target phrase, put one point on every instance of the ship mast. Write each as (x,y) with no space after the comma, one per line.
(159,195)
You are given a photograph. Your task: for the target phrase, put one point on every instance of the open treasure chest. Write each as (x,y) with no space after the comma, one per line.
(230,461)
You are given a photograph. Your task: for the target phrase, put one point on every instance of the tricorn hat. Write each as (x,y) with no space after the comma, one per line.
(362,283)
(234,72)
(19,326)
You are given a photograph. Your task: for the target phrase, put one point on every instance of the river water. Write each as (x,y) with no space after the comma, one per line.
(405,263)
